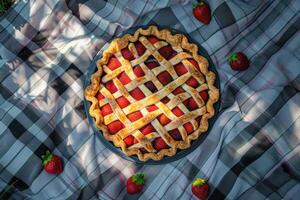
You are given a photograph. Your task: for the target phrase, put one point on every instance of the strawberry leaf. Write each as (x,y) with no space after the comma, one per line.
(232,57)
(46,158)
(200,3)
(138,179)
(198,182)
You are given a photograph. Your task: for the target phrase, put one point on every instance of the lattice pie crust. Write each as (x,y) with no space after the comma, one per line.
(152,94)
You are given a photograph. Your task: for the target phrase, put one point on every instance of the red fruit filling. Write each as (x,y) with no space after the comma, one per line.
(127,54)
(188,127)
(124,78)
(164,77)
(167,52)
(177,112)
(137,94)
(143,150)
(194,62)
(180,69)
(135,116)
(140,48)
(113,63)
(178,90)
(175,134)
(138,71)
(111,87)
(151,62)
(204,95)
(163,119)
(191,104)
(152,108)
(106,110)
(160,144)
(192,82)
(100,96)
(153,39)
(165,100)
(115,127)
(122,102)
(129,140)
(151,86)
(147,129)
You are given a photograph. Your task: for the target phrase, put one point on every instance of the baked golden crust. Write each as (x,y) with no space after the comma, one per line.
(185,50)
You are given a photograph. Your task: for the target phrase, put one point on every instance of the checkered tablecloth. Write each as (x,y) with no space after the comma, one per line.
(252,151)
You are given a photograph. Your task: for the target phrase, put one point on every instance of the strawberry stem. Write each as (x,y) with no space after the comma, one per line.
(138,178)
(198,182)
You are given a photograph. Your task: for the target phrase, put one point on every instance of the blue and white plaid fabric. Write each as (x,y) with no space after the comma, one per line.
(252,151)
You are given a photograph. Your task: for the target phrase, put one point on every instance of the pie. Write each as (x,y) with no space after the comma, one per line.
(152,93)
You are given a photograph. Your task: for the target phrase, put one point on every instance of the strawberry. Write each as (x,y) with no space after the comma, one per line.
(113,63)
(52,163)
(204,95)
(138,71)
(135,116)
(238,61)
(175,134)
(180,69)
(127,54)
(202,12)
(200,188)
(137,94)
(160,144)
(122,102)
(140,48)
(135,183)
(164,77)
(115,127)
